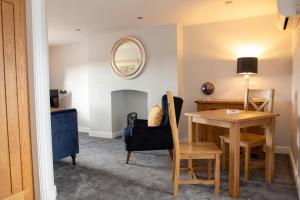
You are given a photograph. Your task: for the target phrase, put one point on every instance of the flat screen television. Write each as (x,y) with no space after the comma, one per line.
(54,98)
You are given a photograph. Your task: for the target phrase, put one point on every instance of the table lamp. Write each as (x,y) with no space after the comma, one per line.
(247,66)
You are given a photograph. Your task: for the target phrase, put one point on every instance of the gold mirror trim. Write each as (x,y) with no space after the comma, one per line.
(141,63)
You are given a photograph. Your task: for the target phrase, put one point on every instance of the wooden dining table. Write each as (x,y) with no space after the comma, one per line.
(234,122)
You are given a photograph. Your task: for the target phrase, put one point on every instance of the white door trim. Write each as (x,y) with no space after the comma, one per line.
(37,42)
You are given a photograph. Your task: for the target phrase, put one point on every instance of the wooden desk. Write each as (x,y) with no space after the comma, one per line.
(234,123)
(215,104)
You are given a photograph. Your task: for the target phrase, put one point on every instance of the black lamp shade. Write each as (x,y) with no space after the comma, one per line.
(247,65)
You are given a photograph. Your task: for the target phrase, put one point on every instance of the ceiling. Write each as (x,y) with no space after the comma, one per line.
(64,16)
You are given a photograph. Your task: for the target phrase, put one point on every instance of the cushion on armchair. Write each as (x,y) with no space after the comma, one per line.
(142,137)
(155,116)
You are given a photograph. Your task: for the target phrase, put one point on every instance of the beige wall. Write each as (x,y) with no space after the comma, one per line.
(210,52)
(207,52)
(295,97)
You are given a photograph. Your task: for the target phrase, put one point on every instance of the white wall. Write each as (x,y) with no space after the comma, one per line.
(210,53)
(69,71)
(296,98)
(159,75)
(84,70)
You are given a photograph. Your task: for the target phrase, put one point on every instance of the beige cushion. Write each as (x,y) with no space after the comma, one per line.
(155,116)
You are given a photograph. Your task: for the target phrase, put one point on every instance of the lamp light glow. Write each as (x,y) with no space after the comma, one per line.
(248,51)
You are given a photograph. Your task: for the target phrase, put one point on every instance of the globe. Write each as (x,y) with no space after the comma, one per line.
(208,88)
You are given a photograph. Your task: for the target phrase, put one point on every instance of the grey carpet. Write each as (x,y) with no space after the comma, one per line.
(100,174)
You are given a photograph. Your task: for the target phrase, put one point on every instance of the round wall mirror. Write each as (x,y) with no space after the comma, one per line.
(128,57)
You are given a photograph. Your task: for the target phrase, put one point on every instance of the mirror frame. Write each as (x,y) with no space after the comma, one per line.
(141,63)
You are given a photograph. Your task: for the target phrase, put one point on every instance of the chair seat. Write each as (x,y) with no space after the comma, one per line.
(247,138)
(199,149)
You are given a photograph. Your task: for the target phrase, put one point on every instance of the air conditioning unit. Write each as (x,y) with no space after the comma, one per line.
(288,14)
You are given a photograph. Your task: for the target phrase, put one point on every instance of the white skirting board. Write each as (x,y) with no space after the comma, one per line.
(100,134)
(282,150)
(83,129)
(109,135)
(295,171)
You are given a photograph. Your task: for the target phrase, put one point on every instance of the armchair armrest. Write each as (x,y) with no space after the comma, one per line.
(140,122)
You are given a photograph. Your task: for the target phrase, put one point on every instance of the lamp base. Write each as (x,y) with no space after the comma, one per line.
(247,81)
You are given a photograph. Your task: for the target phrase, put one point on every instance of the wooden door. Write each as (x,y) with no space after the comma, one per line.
(16,177)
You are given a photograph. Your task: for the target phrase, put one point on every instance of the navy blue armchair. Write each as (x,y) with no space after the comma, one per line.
(64,134)
(140,137)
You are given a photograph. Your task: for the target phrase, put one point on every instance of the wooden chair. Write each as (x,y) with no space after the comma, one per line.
(250,140)
(205,150)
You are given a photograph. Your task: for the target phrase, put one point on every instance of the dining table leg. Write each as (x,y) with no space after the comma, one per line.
(191,130)
(234,161)
(270,150)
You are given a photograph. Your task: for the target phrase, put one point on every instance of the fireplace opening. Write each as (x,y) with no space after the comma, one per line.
(124,102)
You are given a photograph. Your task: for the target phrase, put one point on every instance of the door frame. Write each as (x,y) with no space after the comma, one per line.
(38,72)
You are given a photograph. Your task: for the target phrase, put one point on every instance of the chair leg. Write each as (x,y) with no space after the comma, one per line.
(223,156)
(247,162)
(217,175)
(171,153)
(73,159)
(173,167)
(209,169)
(128,156)
(190,166)
(176,176)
